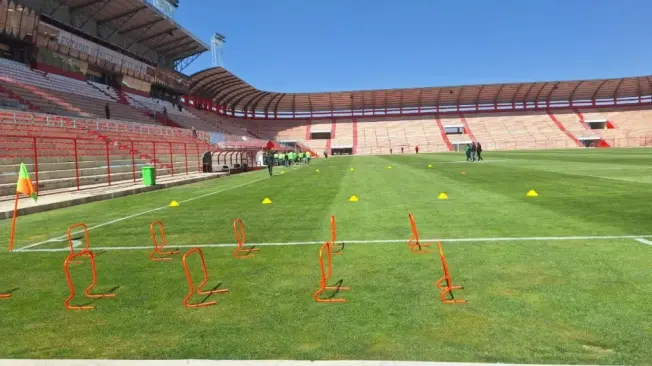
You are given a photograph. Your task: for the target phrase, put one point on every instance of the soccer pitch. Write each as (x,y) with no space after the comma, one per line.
(565,277)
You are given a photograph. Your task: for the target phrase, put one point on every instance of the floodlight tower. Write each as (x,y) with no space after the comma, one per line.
(217,48)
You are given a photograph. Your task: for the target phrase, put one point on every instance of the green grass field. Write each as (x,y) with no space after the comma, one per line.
(538,299)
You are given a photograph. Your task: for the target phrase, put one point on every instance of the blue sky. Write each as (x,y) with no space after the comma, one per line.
(333,45)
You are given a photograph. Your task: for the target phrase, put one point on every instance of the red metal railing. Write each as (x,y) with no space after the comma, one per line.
(59,161)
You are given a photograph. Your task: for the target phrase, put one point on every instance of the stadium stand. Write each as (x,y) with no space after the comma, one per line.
(62,95)
(56,79)
(630,126)
(67,153)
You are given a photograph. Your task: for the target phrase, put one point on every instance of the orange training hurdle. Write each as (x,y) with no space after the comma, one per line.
(339,248)
(87,292)
(70,259)
(415,245)
(158,254)
(198,291)
(87,240)
(241,239)
(326,271)
(449,287)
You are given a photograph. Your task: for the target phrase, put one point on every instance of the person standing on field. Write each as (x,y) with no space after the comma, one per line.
(473,151)
(468,152)
(478,150)
(269,160)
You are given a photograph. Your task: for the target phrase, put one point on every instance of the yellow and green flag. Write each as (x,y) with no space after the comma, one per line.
(24,185)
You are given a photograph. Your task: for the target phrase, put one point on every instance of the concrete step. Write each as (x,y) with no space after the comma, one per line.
(70,173)
(71,182)
(13,168)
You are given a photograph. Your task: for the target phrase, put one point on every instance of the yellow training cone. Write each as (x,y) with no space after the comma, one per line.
(443,196)
(351,169)
(389,167)
(174,204)
(354,198)
(532,193)
(282,171)
(267,201)
(317,170)
(429,165)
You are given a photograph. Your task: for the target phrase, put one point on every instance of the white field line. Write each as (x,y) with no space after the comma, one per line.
(142,213)
(644,241)
(404,240)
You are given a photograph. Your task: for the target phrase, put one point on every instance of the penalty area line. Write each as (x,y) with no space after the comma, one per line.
(640,238)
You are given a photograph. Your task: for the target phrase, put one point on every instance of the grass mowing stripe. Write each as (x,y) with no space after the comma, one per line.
(556,302)
(140,214)
(150,211)
(579,199)
(639,238)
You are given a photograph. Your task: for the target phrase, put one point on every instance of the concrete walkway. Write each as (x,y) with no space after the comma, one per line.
(52,200)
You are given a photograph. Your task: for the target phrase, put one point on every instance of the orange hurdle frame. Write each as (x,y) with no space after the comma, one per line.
(87,292)
(87,240)
(449,287)
(192,291)
(241,239)
(340,248)
(5,296)
(158,249)
(326,271)
(415,245)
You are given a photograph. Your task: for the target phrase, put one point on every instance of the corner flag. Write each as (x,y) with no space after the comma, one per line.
(24,185)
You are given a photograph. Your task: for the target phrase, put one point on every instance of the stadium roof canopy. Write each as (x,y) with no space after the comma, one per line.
(226,89)
(142,23)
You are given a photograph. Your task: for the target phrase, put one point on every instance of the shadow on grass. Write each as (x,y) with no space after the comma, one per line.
(10,292)
(104,294)
(338,284)
(216,287)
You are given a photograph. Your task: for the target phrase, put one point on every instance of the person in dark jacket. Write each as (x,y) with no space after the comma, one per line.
(468,152)
(478,150)
(474,150)
(269,160)
(107,111)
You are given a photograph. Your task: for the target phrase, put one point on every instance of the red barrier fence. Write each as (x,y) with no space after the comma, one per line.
(76,161)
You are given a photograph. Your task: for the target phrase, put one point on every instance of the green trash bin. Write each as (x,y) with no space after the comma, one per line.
(149,176)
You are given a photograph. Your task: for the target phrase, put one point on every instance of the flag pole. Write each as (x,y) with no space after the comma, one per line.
(13,224)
